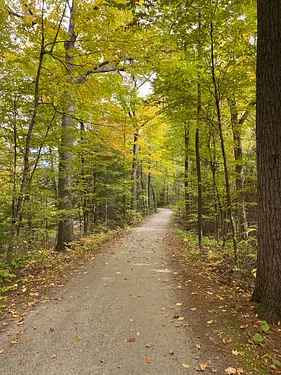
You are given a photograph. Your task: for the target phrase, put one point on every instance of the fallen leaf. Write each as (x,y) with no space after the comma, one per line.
(54,356)
(244,326)
(230,370)
(178,303)
(171,352)
(180,318)
(210,322)
(162,308)
(78,338)
(226,341)
(185,365)
(198,346)
(138,333)
(1,351)
(148,360)
(203,366)
(131,339)
(148,345)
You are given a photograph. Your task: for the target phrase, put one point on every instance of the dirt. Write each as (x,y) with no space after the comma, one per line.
(140,307)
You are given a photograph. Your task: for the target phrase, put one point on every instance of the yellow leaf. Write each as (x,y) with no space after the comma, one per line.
(181,318)
(210,322)
(185,365)
(230,370)
(203,366)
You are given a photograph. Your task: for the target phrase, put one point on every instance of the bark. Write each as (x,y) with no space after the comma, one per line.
(239,169)
(186,168)
(197,151)
(65,225)
(85,208)
(199,174)
(220,227)
(268,132)
(124,196)
(154,198)
(134,178)
(225,164)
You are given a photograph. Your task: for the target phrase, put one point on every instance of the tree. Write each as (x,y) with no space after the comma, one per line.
(268,135)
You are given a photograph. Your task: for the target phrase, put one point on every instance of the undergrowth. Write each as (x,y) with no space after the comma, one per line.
(45,265)
(220,260)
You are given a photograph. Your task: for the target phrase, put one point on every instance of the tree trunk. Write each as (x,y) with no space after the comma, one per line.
(186,168)
(18,203)
(134,198)
(226,173)
(65,226)
(239,170)
(220,224)
(85,185)
(268,132)
(198,169)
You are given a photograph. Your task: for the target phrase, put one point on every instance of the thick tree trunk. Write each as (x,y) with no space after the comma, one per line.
(268,282)
(65,226)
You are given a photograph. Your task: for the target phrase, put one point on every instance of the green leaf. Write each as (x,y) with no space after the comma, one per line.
(258,338)
(276,362)
(265,327)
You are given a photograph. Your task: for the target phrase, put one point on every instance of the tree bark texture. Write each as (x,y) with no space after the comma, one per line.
(268,133)
(239,169)
(186,168)
(134,200)
(65,225)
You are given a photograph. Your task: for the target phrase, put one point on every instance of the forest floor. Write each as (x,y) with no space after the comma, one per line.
(140,306)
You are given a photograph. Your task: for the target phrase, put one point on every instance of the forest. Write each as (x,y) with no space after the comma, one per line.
(110,109)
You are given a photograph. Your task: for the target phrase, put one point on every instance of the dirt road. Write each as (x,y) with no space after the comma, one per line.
(119,314)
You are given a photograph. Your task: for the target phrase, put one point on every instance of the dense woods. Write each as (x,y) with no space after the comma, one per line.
(110,109)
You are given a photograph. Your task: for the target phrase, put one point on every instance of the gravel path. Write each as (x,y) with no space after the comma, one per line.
(117,315)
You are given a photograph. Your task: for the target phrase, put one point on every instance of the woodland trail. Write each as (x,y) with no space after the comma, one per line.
(117,315)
